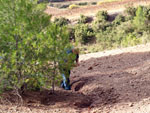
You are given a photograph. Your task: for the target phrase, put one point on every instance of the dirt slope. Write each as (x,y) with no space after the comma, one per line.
(116,81)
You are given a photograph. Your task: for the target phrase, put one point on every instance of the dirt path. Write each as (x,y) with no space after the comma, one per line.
(92,10)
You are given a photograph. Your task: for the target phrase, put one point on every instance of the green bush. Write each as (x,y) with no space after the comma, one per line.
(83,19)
(147,11)
(64,6)
(102,16)
(130,12)
(84,34)
(93,3)
(145,37)
(61,21)
(100,25)
(83,3)
(130,40)
(119,19)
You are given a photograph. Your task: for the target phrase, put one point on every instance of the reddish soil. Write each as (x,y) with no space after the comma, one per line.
(115,81)
(92,10)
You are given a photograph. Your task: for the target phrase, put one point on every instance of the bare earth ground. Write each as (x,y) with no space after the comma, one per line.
(112,7)
(116,81)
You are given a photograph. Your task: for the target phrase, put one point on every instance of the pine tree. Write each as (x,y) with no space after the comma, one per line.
(139,19)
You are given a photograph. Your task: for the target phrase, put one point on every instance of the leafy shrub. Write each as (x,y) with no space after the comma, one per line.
(145,37)
(73,6)
(119,19)
(147,11)
(93,3)
(64,6)
(83,19)
(82,3)
(84,34)
(34,82)
(100,22)
(102,16)
(61,21)
(100,25)
(130,40)
(131,12)
(60,6)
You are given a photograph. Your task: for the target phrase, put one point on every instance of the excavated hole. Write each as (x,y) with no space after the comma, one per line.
(78,85)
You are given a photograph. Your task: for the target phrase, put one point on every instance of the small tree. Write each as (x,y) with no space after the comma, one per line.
(57,39)
(30,45)
(20,24)
(139,19)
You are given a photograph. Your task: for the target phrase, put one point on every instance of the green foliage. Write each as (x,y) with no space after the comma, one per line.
(128,29)
(30,45)
(119,19)
(83,19)
(102,16)
(93,3)
(71,31)
(147,11)
(84,34)
(20,25)
(145,37)
(139,19)
(83,3)
(57,40)
(100,25)
(131,12)
(61,21)
(130,40)
(59,5)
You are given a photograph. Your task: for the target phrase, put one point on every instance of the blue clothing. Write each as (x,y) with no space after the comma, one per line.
(66,73)
(65,83)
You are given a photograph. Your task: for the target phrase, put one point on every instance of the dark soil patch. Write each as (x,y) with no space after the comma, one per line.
(78,85)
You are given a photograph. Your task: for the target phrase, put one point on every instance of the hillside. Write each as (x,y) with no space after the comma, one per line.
(110,81)
(111,7)
(115,81)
